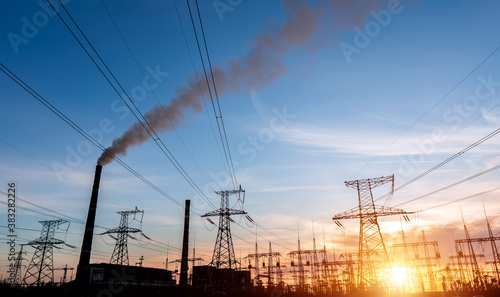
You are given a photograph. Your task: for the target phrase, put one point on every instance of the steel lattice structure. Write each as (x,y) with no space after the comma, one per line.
(18,265)
(120,253)
(273,263)
(416,263)
(374,267)
(223,256)
(41,268)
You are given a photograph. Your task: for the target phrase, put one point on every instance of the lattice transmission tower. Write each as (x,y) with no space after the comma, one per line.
(41,268)
(19,265)
(374,267)
(120,253)
(223,256)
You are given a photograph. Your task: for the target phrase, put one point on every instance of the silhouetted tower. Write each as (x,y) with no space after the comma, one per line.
(141,261)
(428,264)
(374,267)
(475,267)
(494,249)
(414,264)
(120,253)
(408,264)
(301,277)
(65,269)
(223,256)
(19,265)
(41,268)
(269,265)
(273,264)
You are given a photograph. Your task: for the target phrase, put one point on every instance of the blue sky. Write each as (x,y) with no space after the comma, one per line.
(322,121)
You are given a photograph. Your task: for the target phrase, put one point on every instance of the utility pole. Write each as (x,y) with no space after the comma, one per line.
(141,260)
(120,252)
(374,267)
(65,268)
(41,268)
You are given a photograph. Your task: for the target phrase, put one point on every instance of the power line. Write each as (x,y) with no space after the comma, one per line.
(152,89)
(33,93)
(222,132)
(163,109)
(64,175)
(216,94)
(153,135)
(461,199)
(217,116)
(62,116)
(451,185)
(68,218)
(450,158)
(197,80)
(430,109)
(468,148)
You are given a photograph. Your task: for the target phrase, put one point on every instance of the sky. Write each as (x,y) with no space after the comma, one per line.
(312,94)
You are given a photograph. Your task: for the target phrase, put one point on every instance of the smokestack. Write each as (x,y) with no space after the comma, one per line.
(185,246)
(83,270)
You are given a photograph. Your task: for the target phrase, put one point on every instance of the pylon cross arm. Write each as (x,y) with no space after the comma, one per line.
(122,230)
(380,211)
(348,214)
(373,182)
(214,213)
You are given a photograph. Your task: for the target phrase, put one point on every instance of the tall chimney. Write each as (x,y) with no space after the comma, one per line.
(83,270)
(185,246)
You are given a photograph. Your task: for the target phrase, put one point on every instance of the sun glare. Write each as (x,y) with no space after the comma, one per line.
(399,276)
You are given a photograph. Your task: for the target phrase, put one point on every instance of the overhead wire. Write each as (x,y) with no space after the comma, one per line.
(430,109)
(222,132)
(58,214)
(152,89)
(450,185)
(217,116)
(461,199)
(82,132)
(216,93)
(144,122)
(197,79)
(66,217)
(88,137)
(468,148)
(451,158)
(61,115)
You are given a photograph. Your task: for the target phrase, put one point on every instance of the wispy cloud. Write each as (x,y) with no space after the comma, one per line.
(318,140)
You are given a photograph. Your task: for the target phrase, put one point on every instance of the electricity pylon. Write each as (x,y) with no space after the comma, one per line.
(18,265)
(120,253)
(223,256)
(41,268)
(374,267)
